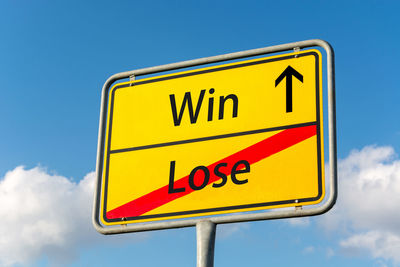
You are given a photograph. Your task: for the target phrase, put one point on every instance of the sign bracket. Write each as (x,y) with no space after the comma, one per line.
(132,78)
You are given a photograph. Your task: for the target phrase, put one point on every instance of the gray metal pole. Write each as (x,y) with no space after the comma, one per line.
(205,243)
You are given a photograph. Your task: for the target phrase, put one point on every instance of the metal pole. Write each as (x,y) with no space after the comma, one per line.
(205,231)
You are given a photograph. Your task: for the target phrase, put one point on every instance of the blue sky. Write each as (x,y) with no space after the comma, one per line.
(55,57)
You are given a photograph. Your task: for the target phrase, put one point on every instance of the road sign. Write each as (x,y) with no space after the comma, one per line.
(230,138)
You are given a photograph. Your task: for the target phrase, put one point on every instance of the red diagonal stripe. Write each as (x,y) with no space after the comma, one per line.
(252,154)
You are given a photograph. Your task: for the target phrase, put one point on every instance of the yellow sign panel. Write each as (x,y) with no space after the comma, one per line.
(236,137)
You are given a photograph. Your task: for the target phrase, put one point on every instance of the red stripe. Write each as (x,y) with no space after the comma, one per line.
(252,154)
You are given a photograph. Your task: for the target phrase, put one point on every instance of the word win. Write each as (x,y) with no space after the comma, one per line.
(193,114)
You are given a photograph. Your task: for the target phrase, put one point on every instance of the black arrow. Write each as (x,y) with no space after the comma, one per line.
(288,73)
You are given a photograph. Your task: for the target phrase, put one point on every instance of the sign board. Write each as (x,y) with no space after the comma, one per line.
(231,138)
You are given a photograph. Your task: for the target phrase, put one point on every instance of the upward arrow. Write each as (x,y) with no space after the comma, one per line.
(288,73)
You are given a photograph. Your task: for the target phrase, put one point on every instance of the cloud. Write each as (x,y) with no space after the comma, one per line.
(330,253)
(45,215)
(384,245)
(299,222)
(308,250)
(366,214)
(227,230)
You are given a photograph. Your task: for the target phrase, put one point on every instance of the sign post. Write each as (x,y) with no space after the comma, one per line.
(217,144)
(205,231)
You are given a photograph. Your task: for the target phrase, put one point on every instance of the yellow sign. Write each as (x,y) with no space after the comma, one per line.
(230,138)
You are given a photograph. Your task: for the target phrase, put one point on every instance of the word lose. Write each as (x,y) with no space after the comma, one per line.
(203,176)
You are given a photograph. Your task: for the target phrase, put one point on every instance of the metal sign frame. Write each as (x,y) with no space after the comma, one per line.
(268,215)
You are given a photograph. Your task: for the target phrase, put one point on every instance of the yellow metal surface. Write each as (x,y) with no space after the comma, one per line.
(144,135)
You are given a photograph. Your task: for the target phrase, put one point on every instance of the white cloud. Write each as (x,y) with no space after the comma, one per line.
(367,210)
(330,253)
(308,250)
(45,215)
(227,230)
(384,245)
(299,222)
